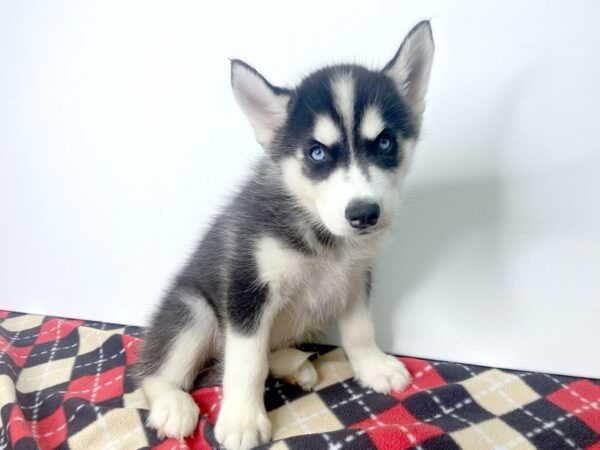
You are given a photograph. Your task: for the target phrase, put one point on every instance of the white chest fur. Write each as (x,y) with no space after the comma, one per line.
(307,291)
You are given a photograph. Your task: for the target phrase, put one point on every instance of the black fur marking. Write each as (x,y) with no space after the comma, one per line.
(388,159)
(378,90)
(325,237)
(319,170)
(167,323)
(314,96)
(246,297)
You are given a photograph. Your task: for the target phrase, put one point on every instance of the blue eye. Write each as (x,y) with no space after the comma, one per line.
(317,153)
(384,144)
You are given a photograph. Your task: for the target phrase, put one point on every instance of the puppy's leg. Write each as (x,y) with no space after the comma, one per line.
(243,421)
(181,338)
(372,367)
(293,366)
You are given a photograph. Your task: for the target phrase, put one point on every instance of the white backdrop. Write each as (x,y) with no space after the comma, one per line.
(119,137)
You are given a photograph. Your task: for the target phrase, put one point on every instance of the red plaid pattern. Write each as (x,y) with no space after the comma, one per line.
(66,384)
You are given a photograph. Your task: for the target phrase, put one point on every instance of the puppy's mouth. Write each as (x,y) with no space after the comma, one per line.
(366,232)
(375,229)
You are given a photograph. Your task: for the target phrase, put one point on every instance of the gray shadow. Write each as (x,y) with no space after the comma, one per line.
(432,218)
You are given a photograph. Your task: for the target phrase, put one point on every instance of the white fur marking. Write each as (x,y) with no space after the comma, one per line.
(343,93)
(276,262)
(308,290)
(372,123)
(243,421)
(326,131)
(298,185)
(337,191)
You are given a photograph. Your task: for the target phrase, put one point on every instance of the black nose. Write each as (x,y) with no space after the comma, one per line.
(362,214)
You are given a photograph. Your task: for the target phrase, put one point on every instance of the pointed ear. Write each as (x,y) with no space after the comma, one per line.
(411,66)
(264,105)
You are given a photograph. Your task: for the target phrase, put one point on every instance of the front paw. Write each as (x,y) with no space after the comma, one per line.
(174,414)
(380,372)
(241,428)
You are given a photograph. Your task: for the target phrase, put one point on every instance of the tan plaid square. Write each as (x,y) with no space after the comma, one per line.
(7,391)
(499,392)
(281,445)
(25,322)
(136,399)
(491,434)
(117,429)
(45,375)
(92,338)
(308,414)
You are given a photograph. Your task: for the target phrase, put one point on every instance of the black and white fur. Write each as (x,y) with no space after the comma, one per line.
(294,249)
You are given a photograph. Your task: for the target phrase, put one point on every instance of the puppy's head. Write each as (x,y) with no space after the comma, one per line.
(344,136)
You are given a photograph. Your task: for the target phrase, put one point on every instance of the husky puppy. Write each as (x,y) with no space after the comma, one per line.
(294,248)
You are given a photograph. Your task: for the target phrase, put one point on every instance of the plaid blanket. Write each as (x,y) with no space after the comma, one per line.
(66,384)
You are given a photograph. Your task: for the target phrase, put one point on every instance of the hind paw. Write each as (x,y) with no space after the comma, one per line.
(293,366)
(305,376)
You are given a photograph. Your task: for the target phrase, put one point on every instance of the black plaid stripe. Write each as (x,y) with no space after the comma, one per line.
(104,326)
(9,367)
(151,434)
(81,414)
(548,426)
(317,349)
(133,331)
(23,338)
(107,356)
(62,348)
(542,383)
(442,442)
(448,407)
(277,393)
(5,412)
(343,439)
(456,372)
(44,401)
(353,403)
(12,314)
(26,444)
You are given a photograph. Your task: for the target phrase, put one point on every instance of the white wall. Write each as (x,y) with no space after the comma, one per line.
(119,137)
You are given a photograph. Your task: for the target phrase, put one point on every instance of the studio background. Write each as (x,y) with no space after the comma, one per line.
(120,138)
